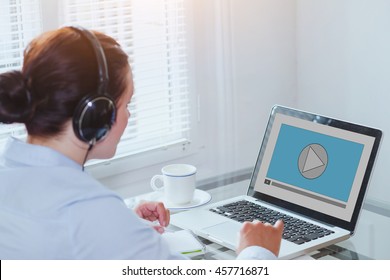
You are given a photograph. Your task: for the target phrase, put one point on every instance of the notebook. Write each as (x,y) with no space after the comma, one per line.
(184,242)
(312,171)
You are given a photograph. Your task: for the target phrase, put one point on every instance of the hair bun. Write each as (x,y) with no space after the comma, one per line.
(15,98)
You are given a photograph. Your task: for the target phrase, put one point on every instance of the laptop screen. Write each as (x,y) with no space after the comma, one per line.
(315,165)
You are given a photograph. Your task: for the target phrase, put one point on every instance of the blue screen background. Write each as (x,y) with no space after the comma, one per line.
(343,160)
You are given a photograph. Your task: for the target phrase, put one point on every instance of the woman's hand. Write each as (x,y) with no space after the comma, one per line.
(154,211)
(264,235)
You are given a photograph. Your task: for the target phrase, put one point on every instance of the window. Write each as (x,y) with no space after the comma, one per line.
(20,22)
(153,33)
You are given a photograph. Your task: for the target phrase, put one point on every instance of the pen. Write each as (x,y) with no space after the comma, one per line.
(156,224)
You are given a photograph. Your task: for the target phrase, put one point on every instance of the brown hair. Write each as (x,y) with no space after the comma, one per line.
(59,70)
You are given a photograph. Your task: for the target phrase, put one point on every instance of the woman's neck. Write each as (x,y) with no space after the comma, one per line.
(66,143)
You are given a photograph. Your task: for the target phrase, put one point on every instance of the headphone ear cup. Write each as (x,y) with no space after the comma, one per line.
(93,118)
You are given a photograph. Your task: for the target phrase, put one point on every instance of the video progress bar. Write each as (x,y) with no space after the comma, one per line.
(338,204)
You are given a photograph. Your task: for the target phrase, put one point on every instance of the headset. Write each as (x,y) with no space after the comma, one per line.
(96,112)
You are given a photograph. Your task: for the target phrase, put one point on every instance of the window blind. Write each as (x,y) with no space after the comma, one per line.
(20,22)
(153,33)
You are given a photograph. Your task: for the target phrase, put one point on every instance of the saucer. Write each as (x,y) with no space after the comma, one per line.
(200,198)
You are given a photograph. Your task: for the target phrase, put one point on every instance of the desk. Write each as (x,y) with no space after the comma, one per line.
(346,250)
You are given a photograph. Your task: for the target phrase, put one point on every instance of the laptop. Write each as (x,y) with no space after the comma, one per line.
(312,172)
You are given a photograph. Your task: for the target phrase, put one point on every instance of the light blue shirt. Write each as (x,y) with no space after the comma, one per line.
(51,209)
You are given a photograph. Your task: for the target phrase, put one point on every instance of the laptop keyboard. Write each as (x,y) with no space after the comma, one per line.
(295,230)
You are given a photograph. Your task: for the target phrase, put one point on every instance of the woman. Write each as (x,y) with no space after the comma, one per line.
(49,207)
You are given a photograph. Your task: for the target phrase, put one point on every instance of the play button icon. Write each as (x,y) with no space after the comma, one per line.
(312,161)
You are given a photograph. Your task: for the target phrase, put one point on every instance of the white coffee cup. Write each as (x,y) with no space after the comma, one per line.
(178,183)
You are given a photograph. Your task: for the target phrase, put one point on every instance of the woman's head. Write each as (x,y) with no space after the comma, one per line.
(60,69)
